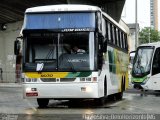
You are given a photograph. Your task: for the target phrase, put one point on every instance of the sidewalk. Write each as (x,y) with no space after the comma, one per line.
(10,84)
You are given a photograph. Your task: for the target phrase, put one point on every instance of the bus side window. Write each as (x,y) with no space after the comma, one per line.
(109,32)
(122,42)
(120,39)
(104,30)
(156,62)
(113,34)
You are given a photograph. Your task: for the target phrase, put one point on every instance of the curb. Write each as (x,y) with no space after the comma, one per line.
(10,85)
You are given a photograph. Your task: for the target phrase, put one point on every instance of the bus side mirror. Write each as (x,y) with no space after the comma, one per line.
(17,47)
(105,46)
(131,56)
(103,43)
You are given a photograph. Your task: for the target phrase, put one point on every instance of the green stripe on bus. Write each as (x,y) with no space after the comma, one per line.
(84,74)
(138,79)
(78,74)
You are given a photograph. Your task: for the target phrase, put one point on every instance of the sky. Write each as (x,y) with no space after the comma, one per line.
(143,12)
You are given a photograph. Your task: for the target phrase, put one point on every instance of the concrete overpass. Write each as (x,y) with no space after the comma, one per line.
(12,14)
(13,10)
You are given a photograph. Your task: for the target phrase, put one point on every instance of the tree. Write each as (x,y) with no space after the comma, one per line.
(147,35)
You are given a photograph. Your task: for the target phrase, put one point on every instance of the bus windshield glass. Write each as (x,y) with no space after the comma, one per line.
(142,61)
(67,51)
(60,21)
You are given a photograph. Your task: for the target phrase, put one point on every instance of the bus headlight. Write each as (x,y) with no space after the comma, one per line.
(31,89)
(89,79)
(28,89)
(30,79)
(34,79)
(86,89)
(82,79)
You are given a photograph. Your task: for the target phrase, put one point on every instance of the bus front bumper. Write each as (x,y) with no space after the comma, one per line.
(60,90)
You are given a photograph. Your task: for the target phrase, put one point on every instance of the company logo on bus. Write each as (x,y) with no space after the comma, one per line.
(77,60)
(76,29)
(47,75)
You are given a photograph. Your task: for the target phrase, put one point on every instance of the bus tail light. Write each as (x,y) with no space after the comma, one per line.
(31,92)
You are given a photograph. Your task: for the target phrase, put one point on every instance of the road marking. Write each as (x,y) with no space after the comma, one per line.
(31,106)
(117,103)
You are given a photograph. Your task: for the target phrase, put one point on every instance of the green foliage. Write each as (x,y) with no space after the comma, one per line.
(147,34)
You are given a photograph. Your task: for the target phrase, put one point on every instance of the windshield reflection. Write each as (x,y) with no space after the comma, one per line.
(60,51)
(142,61)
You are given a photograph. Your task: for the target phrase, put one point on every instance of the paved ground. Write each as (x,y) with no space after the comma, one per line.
(137,102)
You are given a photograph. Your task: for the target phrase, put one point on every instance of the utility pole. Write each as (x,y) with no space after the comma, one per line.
(136,31)
(149,34)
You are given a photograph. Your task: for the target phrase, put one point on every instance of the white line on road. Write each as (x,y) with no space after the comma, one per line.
(31,106)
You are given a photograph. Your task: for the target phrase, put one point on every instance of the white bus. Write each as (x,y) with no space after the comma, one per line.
(50,69)
(146,67)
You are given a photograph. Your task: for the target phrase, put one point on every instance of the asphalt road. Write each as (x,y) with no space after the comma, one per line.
(13,105)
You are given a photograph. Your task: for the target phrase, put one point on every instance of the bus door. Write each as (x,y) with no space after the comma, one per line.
(155,77)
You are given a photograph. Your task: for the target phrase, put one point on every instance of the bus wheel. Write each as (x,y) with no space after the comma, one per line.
(119,95)
(105,87)
(42,102)
(99,101)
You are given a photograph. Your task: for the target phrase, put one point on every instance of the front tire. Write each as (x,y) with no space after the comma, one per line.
(42,102)
(99,101)
(119,96)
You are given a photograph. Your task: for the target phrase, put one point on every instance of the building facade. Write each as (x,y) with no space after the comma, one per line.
(154,14)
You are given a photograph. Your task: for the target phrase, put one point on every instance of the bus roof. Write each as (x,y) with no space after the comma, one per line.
(156,44)
(64,7)
(70,7)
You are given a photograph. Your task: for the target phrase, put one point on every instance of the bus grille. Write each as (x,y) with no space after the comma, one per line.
(58,80)
(67,79)
(48,79)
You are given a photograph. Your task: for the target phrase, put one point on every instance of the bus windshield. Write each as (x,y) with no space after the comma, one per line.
(60,21)
(142,61)
(68,51)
